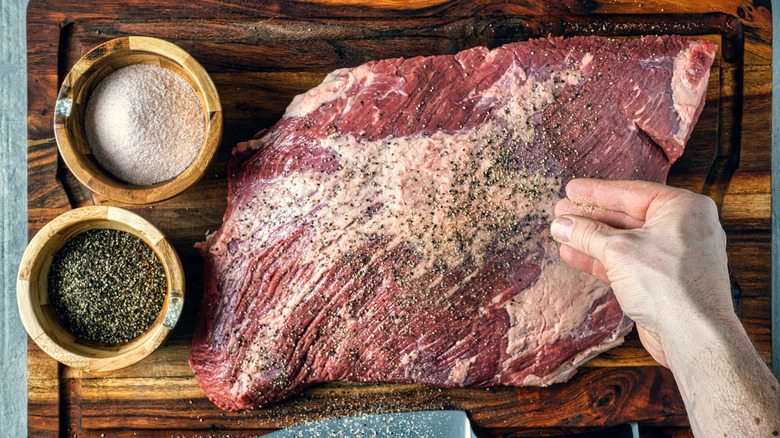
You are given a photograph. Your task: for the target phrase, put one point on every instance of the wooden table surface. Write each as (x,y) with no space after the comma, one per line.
(260,55)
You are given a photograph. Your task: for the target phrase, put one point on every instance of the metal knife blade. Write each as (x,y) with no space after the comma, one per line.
(422,424)
(630,430)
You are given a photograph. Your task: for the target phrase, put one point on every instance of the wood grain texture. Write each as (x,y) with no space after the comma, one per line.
(260,55)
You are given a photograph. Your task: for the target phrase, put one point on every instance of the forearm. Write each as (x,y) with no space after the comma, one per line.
(727,388)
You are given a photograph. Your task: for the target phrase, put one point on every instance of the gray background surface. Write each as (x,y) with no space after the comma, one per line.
(13,216)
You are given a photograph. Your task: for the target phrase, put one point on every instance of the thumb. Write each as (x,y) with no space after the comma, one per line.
(582,234)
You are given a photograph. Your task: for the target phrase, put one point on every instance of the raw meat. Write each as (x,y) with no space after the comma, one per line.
(393,225)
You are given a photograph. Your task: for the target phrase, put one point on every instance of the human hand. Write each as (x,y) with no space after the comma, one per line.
(662,250)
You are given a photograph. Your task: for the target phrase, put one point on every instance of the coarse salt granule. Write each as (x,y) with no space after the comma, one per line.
(144,124)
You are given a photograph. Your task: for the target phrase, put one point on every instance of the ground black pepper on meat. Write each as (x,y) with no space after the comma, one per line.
(106,286)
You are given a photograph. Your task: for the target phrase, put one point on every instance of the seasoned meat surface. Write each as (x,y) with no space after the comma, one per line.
(393,226)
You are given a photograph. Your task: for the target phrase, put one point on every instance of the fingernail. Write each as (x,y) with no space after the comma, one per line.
(561,229)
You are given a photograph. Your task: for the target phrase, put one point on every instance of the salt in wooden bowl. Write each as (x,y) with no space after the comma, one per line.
(36,311)
(81,81)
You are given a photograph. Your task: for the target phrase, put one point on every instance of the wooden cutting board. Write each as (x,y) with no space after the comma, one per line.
(261,54)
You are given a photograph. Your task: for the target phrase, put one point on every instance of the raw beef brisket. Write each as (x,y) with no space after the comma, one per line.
(393,225)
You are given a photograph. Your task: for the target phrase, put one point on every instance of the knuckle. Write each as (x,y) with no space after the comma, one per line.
(705,217)
(705,206)
(698,216)
(587,232)
(591,235)
(698,203)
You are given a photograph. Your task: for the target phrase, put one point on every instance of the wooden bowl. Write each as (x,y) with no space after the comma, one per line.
(38,315)
(84,78)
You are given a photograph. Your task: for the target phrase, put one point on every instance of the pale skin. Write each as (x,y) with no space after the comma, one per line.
(663,251)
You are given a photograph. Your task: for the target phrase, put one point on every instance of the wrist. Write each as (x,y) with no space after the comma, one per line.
(719,373)
(701,318)
(695,344)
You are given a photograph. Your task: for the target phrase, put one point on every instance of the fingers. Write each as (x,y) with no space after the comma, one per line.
(630,197)
(584,235)
(615,219)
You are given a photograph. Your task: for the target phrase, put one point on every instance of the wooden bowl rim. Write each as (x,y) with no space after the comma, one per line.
(106,184)
(108,358)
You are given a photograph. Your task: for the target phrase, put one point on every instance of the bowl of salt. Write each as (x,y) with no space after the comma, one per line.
(138,120)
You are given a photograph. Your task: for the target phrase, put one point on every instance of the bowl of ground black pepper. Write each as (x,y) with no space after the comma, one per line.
(99,288)
(138,120)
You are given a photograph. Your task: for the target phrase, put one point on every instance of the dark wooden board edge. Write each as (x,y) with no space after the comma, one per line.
(774,229)
(775,214)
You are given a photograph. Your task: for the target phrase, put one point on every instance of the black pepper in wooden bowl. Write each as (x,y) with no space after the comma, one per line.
(99,288)
(106,285)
